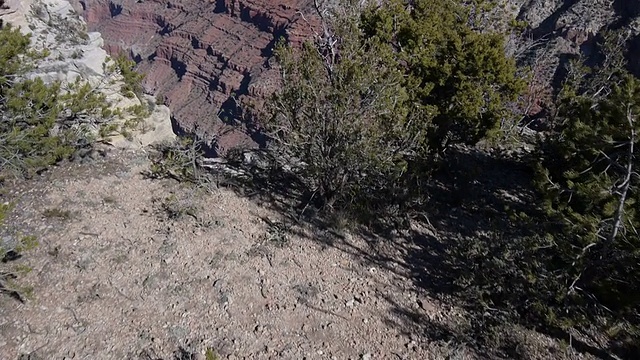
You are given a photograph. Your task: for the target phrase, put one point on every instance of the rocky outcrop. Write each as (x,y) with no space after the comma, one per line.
(560,30)
(201,57)
(75,54)
(579,22)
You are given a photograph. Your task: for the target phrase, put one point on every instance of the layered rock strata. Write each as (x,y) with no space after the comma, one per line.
(202,57)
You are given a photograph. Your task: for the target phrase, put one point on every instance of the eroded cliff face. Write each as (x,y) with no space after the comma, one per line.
(561,30)
(201,57)
(577,21)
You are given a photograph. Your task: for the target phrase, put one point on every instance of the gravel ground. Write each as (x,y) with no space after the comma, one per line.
(129,267)
(133,268)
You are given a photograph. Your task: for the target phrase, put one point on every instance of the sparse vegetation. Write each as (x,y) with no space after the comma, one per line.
(57,213)
(132,80)
(363,124)
(375,122)
(180,161)
(12,247)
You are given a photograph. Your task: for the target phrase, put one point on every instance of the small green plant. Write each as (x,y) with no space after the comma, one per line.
(57,213)
(211,354)
(179,160)
(277,233)
(175,208)
(11,248)
(132,80)
(108,130)
(139,113)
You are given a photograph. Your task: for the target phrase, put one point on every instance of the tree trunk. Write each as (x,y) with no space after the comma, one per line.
(619,215)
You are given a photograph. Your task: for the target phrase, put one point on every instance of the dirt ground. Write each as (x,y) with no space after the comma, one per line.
(133,268)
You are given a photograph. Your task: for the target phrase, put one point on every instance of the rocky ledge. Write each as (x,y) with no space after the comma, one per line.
(75,54)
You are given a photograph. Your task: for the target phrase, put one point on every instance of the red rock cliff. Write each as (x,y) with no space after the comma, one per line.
(200,56)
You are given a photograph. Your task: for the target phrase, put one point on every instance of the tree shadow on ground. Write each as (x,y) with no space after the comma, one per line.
(480,214)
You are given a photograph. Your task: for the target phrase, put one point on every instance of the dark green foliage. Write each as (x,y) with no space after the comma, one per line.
(366,109)
(343,125)
(589,182)
(41,124)
(13,53)
(28,110)
(81,100)
(569,261)
(132,79)
(12,246)
(29,116)
(461,76)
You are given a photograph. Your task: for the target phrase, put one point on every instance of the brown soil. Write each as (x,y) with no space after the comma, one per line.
(148,269)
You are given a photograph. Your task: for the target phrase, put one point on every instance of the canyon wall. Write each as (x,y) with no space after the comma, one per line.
(201,57)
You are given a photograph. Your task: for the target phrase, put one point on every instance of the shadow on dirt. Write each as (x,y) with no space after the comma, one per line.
(478,224)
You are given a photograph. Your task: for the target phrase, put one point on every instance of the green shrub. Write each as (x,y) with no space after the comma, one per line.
(42,124)
(461,75)
(178,160)
(14,54)
(12,246)
(366,109)
(588,178)
(132,80)
(343,122)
